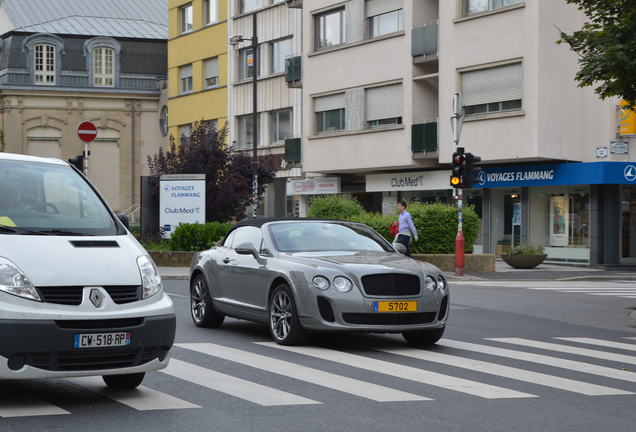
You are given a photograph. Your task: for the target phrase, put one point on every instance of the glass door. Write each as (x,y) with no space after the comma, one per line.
(628,225)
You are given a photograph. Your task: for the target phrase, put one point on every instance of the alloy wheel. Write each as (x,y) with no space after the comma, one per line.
(280,315)
(197,302)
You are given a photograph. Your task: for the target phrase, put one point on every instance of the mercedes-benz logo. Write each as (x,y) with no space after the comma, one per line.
(482,178)
(96,297)
(630,173)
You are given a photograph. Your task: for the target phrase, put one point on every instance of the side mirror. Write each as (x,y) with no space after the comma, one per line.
(246,249)
(399,247)
(124,220)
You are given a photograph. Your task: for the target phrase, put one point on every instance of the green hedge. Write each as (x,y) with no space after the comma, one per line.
(197,237)
(334,207)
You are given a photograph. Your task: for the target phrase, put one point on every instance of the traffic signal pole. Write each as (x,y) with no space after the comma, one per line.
(459,240)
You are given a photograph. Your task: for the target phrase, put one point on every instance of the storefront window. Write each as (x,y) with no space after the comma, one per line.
(628,224)
(505,219)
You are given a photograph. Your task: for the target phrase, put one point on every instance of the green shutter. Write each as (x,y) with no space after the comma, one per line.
(292,149)
(424,137)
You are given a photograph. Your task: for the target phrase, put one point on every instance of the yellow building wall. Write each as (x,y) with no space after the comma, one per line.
(194,47)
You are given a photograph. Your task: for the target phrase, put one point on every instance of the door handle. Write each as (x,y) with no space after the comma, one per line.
(226,260)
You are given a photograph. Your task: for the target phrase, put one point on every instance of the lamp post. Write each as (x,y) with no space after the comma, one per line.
(234,41)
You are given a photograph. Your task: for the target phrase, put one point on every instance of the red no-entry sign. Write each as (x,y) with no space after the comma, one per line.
(87,131)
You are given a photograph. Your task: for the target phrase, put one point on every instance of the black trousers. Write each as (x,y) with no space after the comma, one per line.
(404,239)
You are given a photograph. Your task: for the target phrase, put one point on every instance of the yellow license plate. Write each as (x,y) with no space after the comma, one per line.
(395,306)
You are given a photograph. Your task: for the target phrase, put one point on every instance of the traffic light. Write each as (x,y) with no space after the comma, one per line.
(459,168)
(471,174)
(77,162)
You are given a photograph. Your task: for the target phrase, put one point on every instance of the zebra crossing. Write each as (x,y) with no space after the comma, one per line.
(611,359)
(619,289)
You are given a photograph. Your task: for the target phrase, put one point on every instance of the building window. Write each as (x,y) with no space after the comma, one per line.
(248,5)
(246,63)
(476,6)
(281,125)
(384,105)
(211,124)
(245,132)
(280,51)
(103,67)
(163,121)
(185,132)
(44,64)
(185,13)
(330,29)
(211,69)
(384,17)
(185,74)
(493,89)
(330,113)
(210,9)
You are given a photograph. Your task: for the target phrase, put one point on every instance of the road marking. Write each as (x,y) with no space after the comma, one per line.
(313,376)
(22,405)
(612,294)
(141,399)
(573,365)
(631,338)
(405,372)
(600,342)
(508,372)
(568,349)
(613,291)
(233,386)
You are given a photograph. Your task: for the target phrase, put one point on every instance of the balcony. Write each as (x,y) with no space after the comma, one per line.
(424,138)
(292,150)
(293,71)
(295,4)
(424,43)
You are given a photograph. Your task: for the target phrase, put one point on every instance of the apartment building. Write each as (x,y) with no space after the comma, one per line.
(197,66)
(378,78)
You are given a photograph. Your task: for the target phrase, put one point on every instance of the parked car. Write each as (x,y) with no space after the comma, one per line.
(307,275)
(78,294)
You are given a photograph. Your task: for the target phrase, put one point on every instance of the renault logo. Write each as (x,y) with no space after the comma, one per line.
(96,297)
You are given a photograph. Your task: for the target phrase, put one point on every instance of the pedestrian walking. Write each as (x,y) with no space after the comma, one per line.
(406,227)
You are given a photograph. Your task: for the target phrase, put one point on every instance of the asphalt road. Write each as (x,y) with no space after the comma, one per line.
(500,367)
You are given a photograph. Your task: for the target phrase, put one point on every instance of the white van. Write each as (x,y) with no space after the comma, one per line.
(78,294)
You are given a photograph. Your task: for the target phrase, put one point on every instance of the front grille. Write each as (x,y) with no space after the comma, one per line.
(391,284)
(389,318)
(90,359)
(99,324)
(72,295)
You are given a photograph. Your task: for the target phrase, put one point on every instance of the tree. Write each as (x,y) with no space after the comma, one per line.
(607,47)
(228,181)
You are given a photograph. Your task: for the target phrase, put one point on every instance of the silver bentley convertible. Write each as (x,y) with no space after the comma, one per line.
(305,275)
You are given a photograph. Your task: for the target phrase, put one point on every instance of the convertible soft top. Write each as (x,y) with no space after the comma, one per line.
(259,222)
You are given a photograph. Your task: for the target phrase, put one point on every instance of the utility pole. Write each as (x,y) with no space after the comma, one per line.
(255,114)
(459,240)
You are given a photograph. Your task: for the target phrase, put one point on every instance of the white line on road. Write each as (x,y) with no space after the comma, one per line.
(233,386)
(609,294)
(600,342)
(509,372)
(568,349)
(608,291)
(405,372)
(314,376)
(21,405)
(572,365)
(141,399)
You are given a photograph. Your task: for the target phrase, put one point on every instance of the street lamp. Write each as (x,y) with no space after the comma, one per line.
(234,41)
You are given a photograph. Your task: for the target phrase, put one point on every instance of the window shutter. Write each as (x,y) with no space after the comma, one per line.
(328,103)
(378,7)
(384,102)
(498,84)
(185,71)
(212,67)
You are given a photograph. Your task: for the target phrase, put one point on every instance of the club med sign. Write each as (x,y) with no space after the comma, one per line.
(181,200)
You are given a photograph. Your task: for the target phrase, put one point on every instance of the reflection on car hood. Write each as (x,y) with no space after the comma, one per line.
(361,261)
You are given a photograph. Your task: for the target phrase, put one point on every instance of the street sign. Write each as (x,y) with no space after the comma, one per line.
(87,131)
(619,147)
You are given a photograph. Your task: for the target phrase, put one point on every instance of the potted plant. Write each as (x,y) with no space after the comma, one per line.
(524,256)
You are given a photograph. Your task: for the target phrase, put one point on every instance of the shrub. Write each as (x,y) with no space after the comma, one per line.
(198,237)
(376,221)
(523,249)
(334,207)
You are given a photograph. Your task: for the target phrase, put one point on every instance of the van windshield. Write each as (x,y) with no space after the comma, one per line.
(48,199)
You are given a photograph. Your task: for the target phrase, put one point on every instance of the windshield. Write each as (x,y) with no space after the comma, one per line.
(42,198)
(326,236)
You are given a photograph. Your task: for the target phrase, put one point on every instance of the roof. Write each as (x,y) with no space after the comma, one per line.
(25,158)
(141,19)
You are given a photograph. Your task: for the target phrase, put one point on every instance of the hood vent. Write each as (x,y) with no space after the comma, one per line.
(94,243)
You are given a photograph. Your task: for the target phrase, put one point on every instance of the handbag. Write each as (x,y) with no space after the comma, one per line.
(393,228)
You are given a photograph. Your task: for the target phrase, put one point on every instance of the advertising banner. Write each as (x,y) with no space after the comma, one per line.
(315,186)
(181,200)
(626,121)
(559,220)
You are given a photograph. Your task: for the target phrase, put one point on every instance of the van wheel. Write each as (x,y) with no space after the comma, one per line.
(284,325)
(201,308)
(124,382)
(423,337)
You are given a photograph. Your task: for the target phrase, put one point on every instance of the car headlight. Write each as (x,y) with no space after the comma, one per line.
(342,284)
(13,281)
(321,282)
(441,282)
(430,283)
(151,281)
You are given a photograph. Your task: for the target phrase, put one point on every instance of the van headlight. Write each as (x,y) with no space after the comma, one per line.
(14,282)
(151,281)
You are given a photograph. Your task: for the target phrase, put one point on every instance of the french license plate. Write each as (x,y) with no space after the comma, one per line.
(395,306)
(101,340)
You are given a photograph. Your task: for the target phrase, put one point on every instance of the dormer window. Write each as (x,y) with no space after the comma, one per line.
(103,67)
(44,64)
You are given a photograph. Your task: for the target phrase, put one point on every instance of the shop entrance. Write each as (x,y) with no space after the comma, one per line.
(506,219)
(628,225)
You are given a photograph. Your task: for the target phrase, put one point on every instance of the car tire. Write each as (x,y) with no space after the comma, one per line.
(424,337)
(201,307)
(125,381)
(283,322)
